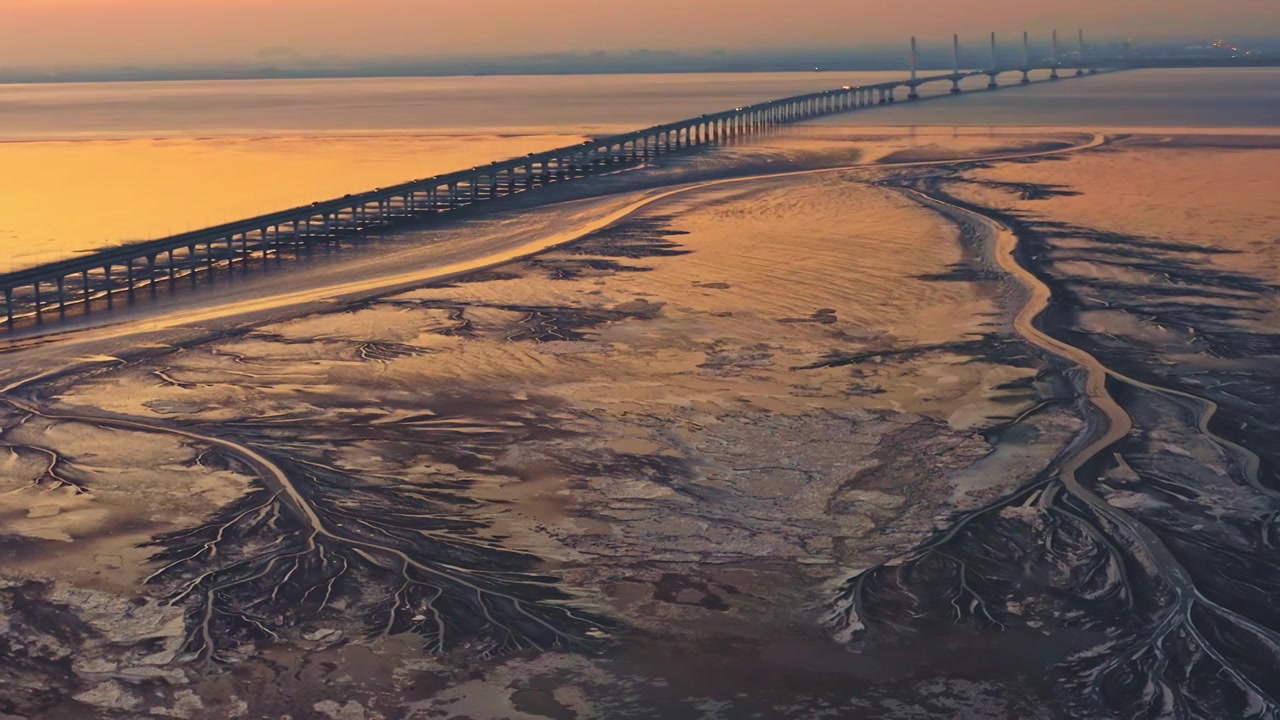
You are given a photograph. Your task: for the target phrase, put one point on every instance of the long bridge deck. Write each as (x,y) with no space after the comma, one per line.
(100,277)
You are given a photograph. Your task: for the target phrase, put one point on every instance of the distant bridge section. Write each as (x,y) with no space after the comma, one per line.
(102,278)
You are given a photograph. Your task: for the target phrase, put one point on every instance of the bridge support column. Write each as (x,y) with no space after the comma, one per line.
(151,275)
(955,86)
(84,290)
(1080,62)
(62,296)
(1053,75)
(106,282)
(1026,76)
(8,307)
(991,82)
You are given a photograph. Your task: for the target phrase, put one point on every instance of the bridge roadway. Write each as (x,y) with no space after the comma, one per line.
(100,277)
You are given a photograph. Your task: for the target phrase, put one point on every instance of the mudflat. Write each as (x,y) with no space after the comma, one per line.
(892,424)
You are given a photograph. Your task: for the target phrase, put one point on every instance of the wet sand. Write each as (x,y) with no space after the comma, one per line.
(686,462)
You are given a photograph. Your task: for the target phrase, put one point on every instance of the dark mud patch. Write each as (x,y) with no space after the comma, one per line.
(577,269)
(482,277)
(683,590)
(932,154)
(1206,141)
(539,324)
(822,316)
(989,347)
(599,252)
(1023,190)
(541,703)
(963,272)
(644,237)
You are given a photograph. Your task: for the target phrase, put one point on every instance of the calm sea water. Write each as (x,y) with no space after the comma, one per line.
(536,104)
(91,164)
(504,104)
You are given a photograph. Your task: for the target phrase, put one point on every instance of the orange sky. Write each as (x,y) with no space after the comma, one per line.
(127,31)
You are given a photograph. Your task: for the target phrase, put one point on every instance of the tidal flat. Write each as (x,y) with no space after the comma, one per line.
(839,423)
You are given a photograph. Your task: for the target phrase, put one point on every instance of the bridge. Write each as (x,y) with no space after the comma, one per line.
(102,277)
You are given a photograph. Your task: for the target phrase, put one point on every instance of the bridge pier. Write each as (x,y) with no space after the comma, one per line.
(995,65)
(913,85)
(1026,59)
(106,283)
(230,250)
(1080,61)
(1053,75)
(955,64)
(151,275)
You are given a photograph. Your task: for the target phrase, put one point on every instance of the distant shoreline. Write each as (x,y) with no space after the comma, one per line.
(73,79)
(516,70)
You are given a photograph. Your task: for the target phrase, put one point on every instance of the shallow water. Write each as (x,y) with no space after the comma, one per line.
(93,164)
(503,104)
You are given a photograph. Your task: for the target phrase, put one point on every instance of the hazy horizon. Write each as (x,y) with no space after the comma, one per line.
(79,33)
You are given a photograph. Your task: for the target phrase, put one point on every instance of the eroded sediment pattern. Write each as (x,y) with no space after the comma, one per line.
(1155,531)
(569,483)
